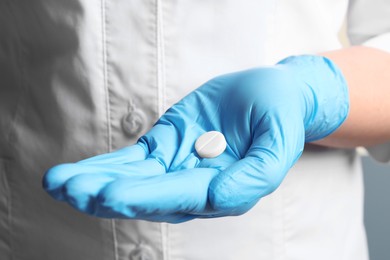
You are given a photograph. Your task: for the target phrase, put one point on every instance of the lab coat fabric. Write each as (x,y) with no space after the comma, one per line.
(80,78)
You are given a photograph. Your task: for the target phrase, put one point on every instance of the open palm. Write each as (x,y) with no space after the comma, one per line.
(266,115)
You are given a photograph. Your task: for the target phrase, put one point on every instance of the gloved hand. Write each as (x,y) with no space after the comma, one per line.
(266,115)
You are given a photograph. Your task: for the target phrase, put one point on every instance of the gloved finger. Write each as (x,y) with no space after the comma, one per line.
(162,142)
(156,197)
(57,176)
(260,172)
(186,156)
(217,213)
(81,190)
(136,152)
(173,218)
(171,141)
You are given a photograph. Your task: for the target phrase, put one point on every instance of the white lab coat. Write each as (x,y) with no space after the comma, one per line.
(81,77)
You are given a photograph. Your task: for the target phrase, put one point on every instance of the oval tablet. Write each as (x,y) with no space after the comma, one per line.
(210,144)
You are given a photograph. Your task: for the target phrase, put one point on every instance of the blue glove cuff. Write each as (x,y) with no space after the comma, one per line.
(325,91)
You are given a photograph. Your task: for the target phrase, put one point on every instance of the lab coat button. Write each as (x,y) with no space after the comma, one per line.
(133,123)
(142,253)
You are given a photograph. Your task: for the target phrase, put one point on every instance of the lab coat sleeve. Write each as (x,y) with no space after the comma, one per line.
(381,152)
(369,25)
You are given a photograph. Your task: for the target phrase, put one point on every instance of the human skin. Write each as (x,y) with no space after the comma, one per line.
(367,72)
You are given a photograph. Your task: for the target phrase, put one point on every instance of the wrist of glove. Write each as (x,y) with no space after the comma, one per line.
(266,115)
(326,94)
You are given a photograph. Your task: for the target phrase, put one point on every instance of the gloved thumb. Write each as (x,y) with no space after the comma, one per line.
(240,186)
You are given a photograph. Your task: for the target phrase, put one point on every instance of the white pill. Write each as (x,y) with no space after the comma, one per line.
(210,144)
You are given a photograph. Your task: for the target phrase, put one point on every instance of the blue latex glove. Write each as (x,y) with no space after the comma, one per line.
(266,115)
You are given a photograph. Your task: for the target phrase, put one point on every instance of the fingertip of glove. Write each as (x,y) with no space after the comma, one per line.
(222,199)
(54,179)
(229,205)
(231,197)
(112,202)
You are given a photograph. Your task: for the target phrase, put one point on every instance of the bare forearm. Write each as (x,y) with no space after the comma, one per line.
(367,72)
